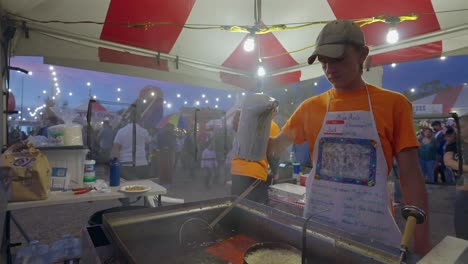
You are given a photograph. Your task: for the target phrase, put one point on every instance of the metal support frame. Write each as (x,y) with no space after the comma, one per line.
(97,43)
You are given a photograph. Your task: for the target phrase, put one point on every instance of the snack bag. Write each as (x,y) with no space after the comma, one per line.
(28,173)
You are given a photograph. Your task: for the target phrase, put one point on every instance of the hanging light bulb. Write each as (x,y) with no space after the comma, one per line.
(392,35)
(249,43)
(261,71)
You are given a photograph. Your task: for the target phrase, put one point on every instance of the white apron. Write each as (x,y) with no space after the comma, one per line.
(349,177)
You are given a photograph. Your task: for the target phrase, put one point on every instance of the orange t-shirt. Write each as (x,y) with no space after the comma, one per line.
(254,169)
(393,115)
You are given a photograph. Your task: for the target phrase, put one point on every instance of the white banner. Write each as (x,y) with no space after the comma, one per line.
(427,108)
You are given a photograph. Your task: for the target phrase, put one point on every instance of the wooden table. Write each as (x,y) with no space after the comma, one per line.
(68,197)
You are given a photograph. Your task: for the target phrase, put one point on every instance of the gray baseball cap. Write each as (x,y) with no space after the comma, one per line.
(334,37)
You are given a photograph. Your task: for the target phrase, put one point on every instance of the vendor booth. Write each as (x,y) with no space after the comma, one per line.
(246,45)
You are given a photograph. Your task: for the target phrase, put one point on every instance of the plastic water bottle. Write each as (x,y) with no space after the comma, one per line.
(68,248)
(114,169)
(89,177)
(296,167)
(34,253)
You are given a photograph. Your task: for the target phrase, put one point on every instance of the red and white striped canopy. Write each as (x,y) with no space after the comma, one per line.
(145,38)
(455,99)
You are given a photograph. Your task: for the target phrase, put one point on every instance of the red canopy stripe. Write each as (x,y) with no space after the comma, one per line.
(448,98)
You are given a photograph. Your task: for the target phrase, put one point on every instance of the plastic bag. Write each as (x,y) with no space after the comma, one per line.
(29,173)
(254,126)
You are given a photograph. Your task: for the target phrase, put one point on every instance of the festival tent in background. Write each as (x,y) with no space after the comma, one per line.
(446,101)
(95,107)
(176,119)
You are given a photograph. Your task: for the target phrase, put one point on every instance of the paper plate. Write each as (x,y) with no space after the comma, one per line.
(135,188)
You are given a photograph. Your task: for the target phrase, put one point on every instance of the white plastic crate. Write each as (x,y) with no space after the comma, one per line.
(71,158)
(288,192)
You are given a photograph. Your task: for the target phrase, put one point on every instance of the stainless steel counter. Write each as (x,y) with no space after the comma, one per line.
(146,235)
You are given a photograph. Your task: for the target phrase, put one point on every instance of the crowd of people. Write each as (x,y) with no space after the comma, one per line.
(437,142)
(160,152)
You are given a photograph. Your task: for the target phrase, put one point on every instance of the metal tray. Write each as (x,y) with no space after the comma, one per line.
(150,234)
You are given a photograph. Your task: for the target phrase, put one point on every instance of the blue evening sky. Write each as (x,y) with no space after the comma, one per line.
(452,70)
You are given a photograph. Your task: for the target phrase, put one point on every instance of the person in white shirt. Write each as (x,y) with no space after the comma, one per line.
(123,151)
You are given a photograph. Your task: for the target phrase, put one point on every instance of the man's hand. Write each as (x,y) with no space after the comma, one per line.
(414,193)
(277,145)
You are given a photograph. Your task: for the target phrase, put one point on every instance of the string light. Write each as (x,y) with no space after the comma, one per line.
(251,30)
(88,84)
(178,95)
(216,106)
(197,102)
(217,99)
(94,97)
(118,89)
(315,83)
(33,114)
(44,91)
(54,73)
(243,94)
(261,71)
(169,105)
(51,68)
(144,101)
(152,94)
(206,101)
(443,58)
(118,99)
(229,96)
(203,96)
(70,93)
(392,36)
(413,90)
(164,102)
(249,43)
(393,65)
(185,102)
(30,73)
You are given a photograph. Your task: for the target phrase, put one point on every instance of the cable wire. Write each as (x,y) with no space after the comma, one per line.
(266,29)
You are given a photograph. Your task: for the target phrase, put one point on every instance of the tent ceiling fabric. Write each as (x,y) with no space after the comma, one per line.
(214,57)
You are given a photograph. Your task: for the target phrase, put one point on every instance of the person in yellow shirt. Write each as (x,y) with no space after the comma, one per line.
(245,172)
(354,131)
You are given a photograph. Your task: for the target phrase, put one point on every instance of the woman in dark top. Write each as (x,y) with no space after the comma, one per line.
(427,154)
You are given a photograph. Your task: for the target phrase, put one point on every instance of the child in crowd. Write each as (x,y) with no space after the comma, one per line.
(209,163)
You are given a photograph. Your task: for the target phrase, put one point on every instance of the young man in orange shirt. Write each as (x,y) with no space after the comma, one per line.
(354,131)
